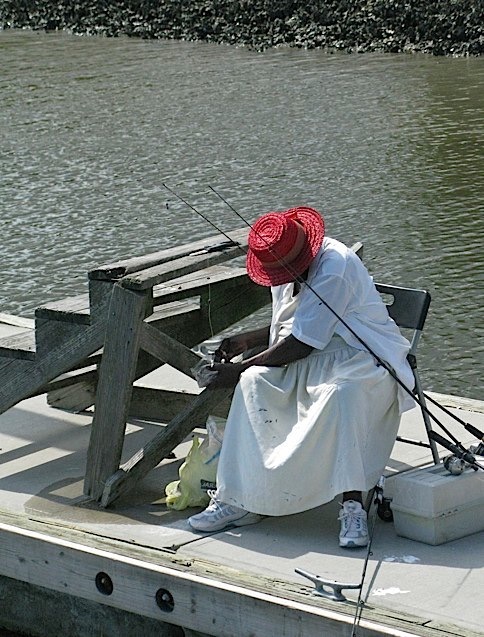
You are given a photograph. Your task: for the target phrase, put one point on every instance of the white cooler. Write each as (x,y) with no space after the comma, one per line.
(432,506)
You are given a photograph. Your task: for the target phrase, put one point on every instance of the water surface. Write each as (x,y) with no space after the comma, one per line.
(388,147)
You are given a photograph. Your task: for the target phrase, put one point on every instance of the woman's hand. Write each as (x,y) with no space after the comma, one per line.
(286,351)
(228,374)
(230,347)
(240,343)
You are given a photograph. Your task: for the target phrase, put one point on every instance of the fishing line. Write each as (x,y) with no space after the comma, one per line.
(209,303)
(302,282)
(359,602)
(470,428)
(198,212)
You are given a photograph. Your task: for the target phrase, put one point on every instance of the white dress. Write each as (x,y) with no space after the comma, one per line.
(297,436)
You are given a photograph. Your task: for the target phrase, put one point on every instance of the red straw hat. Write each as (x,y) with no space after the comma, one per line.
(283,244)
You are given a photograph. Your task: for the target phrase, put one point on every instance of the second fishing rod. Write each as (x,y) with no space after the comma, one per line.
(302,282)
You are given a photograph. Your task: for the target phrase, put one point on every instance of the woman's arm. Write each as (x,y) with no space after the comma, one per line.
(239,343)
(286,351)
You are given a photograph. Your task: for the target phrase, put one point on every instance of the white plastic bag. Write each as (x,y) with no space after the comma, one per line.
(199,471)
(203,372)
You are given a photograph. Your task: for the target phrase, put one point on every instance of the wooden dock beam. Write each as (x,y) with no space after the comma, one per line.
(117,370)
(140,314)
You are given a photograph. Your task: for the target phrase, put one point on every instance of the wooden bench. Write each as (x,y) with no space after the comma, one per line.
(139,314)
(223,297)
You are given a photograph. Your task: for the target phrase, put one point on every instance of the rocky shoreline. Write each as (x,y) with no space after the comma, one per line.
(438,27)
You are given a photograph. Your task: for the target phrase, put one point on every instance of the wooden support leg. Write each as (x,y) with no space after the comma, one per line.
(116,374)
(187,327)
(163,443)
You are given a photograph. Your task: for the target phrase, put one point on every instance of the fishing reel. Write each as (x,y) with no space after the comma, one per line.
(477,450)
(461,458)
(454,465)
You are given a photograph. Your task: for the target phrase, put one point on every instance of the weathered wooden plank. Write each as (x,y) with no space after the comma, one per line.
(99,299)
(63,381)
(20,345)
(227,304)
(76,309)
(357,247)
(119,269)
(214,602)
(16,321)
(187,324)
(155,275)
(470,404)
(73,309)
(196,282)
(53,613)
(116,374)
(74,396)
(20,379)
(79,372)
(182,320)
(49,334)
(162,405)
(238,297)
(74,375)
(167,349)
(163,443)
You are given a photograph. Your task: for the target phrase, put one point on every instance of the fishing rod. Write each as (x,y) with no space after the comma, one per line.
(303,282)
(470,428)
(204,217)
(323,585)
(465,456)
(458,450)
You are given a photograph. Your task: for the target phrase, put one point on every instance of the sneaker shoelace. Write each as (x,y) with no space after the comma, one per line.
(216,506)
(352,521)
(214,502)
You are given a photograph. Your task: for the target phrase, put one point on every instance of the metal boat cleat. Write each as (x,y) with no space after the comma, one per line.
(328,588)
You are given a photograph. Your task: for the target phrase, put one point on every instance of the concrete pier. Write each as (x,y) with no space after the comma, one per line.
(68,566)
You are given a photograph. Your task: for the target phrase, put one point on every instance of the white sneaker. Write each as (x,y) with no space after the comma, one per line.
(218,516)
(354,525)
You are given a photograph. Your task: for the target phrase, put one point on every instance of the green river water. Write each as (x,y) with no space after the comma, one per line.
(388,147)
